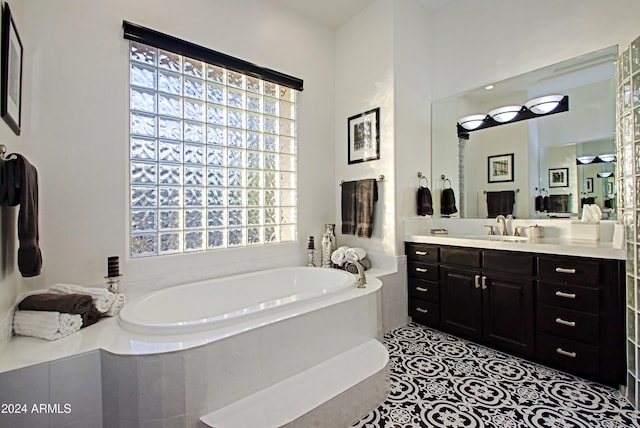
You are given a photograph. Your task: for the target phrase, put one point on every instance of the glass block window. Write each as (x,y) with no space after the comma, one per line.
(212,156)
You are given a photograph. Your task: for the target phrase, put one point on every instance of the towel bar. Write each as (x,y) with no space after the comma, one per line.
(380,178)
(516,190)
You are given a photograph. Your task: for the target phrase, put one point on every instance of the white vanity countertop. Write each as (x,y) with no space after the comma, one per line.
(559,246)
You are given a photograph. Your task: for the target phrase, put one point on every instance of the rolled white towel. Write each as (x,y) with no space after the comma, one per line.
(355,254)
(117,305)
(338,256)
(45,324)
(102,298)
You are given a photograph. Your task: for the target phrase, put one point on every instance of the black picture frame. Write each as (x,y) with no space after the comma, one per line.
(500,168)
(589,185)
(11,72)
(558,177)
(363,133)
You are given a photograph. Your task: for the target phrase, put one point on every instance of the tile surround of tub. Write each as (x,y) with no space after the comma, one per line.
(182,386)
(75,381)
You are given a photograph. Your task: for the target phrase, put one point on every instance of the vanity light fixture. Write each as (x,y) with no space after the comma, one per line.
(544,105)
(541,106)
(472,122)
(605,174)
(505,114)
(604,158)
(585,160)
(609,157)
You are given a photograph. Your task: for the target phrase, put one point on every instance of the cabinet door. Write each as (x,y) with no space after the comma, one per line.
(508,312)
(461,302)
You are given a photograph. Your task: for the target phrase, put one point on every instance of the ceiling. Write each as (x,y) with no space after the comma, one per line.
(334,13)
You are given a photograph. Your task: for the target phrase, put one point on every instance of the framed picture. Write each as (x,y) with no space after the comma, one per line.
(610,188)
(500,168)
(11,70)
(558,177)
(364,136)
(589,185)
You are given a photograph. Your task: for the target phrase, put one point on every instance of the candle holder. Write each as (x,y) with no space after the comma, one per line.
(310,256)
(113,283)
(311,249)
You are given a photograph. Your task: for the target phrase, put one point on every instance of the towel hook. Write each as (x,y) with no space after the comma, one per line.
(422,176)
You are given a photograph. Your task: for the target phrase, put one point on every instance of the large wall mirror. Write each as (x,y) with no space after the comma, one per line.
(543,152)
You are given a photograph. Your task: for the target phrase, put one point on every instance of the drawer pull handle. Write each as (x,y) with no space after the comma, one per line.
(424,290)
(484,282)
(424,311)
(565,353)
(566,295)
(421,253)
(565,270)
(477,283)
(567,323)
(423,270)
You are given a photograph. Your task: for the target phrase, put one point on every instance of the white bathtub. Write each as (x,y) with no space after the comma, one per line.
(218,302)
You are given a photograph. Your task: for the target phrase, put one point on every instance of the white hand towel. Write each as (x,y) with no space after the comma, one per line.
(596,212)
(117,305)
(45,324)
(102,298)
(587,215)
(355,254)
(338,256)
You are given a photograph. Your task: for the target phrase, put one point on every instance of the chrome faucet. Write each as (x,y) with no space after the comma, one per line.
(504,223)
(362,279)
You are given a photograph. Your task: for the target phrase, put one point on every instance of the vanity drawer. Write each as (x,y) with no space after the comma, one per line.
(424,312)
(424,271)
(511,262)
(422,252)
(569,270)
(569,296)
(424,290)
(466,257)
(567,323)
(566,353)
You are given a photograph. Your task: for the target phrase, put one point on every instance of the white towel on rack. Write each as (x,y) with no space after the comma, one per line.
(102,298)
(45,324)
(117,305)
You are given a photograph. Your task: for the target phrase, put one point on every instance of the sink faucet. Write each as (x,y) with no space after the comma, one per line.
(362,279)
(504,223)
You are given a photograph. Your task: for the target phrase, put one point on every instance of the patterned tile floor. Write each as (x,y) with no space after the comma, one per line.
(438,380)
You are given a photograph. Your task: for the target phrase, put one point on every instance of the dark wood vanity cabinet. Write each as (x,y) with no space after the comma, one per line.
(424,286)
(492,301)
(567,312)
(580,316)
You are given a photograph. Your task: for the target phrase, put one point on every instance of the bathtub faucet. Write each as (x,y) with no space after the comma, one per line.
(362,279)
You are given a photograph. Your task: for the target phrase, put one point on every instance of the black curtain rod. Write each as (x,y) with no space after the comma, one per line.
(160,40)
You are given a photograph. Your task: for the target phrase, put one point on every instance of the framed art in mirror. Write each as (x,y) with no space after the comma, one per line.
(11,70)
(589,185)
(364,136)
(500,168)
(558,177)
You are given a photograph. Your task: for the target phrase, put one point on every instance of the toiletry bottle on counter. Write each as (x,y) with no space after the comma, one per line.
(328,244)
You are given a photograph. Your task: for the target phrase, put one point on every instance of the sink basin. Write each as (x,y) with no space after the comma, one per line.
(507,238)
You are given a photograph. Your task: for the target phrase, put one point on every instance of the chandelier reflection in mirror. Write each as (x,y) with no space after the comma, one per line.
(537,107)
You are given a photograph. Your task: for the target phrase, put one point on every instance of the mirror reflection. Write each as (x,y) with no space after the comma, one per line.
(516,162)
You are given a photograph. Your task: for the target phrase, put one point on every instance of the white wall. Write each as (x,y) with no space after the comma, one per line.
(10,281)
(478,42)
(75,129)
(412,73)
(364,81)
